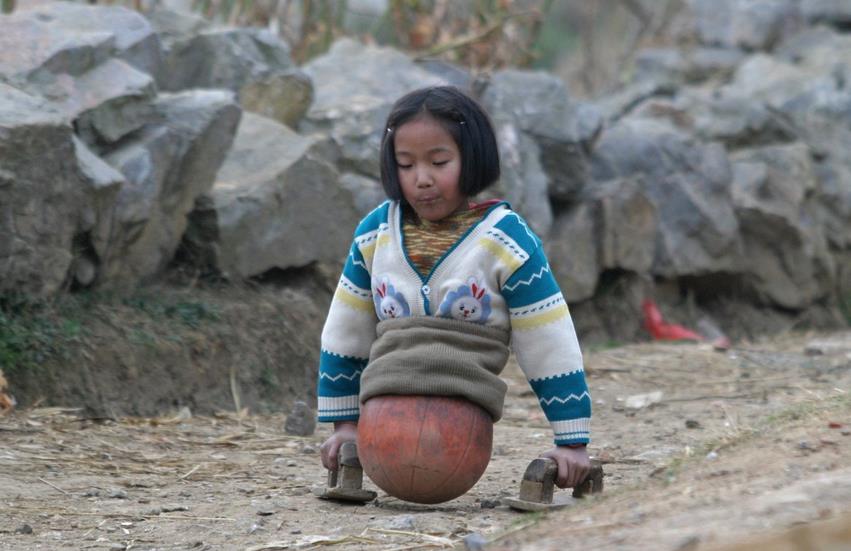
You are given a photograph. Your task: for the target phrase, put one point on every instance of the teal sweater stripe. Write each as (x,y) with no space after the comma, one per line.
(355,269)
(339,375)
(531,283)
(563,397)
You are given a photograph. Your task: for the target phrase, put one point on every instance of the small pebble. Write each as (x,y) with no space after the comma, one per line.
(474,542)
(301,421)
(117,493)
(92,492)
(692,424)
(24,529)
(292,463)
(296,532)
(712,455)
(172,508)
(490,503)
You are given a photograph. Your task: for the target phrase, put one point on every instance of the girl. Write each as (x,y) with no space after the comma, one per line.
(435,285)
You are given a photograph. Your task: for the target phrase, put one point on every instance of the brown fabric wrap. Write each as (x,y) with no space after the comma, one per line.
(438,357)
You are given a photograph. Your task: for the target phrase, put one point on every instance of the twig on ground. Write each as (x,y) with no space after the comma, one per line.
(55,487)
(191,472)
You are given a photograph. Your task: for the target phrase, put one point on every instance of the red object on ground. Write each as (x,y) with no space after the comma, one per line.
(424,449)
(660,330)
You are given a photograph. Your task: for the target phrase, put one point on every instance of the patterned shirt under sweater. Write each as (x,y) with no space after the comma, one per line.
(495,273)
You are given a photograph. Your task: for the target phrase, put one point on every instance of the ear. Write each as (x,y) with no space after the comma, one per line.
(481,293)
(475,289)
(382,290)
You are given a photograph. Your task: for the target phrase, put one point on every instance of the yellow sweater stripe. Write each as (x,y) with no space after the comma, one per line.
(498,251)
(353,301)
(531,322)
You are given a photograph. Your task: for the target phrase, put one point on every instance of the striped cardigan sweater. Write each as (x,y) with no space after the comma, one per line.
(496,274)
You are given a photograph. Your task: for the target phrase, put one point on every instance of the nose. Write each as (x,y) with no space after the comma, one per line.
(424,178)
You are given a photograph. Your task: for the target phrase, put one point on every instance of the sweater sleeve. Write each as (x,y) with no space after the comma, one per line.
(544,341)
(348,332)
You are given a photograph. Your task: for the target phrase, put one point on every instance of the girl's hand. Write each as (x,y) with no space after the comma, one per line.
(573,465)
(344,431)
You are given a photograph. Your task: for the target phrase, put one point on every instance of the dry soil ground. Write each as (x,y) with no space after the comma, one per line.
(754,439)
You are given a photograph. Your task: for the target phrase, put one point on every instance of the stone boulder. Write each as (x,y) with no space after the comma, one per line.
(785,254)
(355,88)
(573,252)
(834,12)
(276,204)
(167,165)
(254,63)
(86,69)
(674,66)
(612,227)
(745,24)
(735,121)
(72,38)
(539,105)
(366,192)
(523,182)
(773,81)
(52,190)
(687,181)
(821,117)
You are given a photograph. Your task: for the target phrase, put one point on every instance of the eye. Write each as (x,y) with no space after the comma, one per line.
(440,163)
(403,167)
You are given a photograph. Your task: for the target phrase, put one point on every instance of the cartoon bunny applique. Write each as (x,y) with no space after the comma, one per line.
(470,302)
(388,302)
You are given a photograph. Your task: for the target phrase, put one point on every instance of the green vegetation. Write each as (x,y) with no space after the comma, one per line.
(34,331)
(31,331)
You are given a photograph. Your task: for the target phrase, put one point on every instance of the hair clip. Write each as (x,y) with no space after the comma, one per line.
(463,122)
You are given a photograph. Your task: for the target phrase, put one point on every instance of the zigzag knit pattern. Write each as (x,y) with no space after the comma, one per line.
(497,274)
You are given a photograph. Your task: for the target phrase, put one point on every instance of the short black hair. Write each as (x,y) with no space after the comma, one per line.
(467,123)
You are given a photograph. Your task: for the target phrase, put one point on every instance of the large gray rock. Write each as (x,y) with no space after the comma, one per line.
(276,205)
(689,184)
(51,191)
(107,102)
(254,63)
(167,166)
(538,103)
(672,66)
(785,254)
(773,81)
(627,221)
(612,227)
(821,117)
(355,88)
(837,12)
(72,38)
(523,182)
(366,192)
(573,252)
(735,121)
(82,59)
(747,24)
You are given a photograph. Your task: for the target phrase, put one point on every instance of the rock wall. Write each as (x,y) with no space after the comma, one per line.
(722,160)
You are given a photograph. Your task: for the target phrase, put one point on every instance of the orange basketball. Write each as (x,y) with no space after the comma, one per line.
(424,449)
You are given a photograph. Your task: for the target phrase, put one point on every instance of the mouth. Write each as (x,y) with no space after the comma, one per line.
(429,199)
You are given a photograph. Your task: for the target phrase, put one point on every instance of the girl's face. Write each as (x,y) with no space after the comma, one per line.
(429,168)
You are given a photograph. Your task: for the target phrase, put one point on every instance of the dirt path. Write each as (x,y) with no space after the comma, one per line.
(741,442)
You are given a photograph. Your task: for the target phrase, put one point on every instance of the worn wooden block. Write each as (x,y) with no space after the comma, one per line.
(538,485)
(346,483)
